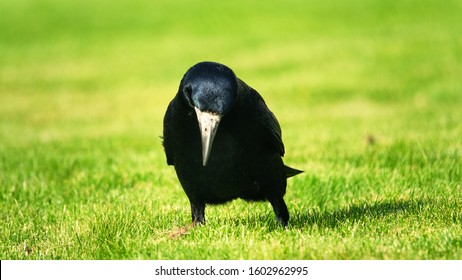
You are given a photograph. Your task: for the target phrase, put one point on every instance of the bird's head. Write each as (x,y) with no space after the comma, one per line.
(210,89)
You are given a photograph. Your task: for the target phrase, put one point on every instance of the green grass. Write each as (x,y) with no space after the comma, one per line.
(368,94)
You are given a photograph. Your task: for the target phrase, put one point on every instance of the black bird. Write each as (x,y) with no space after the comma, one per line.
(214,107)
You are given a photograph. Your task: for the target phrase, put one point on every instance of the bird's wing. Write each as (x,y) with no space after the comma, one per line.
(167,138)
(267,119)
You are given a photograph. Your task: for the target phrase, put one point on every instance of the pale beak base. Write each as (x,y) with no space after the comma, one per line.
(208,125)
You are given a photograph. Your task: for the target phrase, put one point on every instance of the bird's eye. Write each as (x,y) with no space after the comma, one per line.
(187,91)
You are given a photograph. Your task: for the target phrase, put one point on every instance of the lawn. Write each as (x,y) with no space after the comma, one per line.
(368,94)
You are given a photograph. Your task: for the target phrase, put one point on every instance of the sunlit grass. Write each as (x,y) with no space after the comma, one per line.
(367,93)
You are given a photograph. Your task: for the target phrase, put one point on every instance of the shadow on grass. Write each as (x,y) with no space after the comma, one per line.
(357,212)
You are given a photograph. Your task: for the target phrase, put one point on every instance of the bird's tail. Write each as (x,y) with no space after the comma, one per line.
(291,171)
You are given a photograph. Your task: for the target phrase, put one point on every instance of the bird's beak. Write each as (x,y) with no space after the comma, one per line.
(208,124)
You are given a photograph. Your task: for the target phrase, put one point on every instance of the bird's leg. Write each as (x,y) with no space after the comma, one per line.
(280,209)
(198,212)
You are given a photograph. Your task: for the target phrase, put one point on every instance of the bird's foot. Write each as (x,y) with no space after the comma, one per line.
(281,223)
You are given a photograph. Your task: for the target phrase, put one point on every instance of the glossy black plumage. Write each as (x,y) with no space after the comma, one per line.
(244,160)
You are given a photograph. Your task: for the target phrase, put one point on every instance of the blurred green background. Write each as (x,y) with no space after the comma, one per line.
(368,94)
